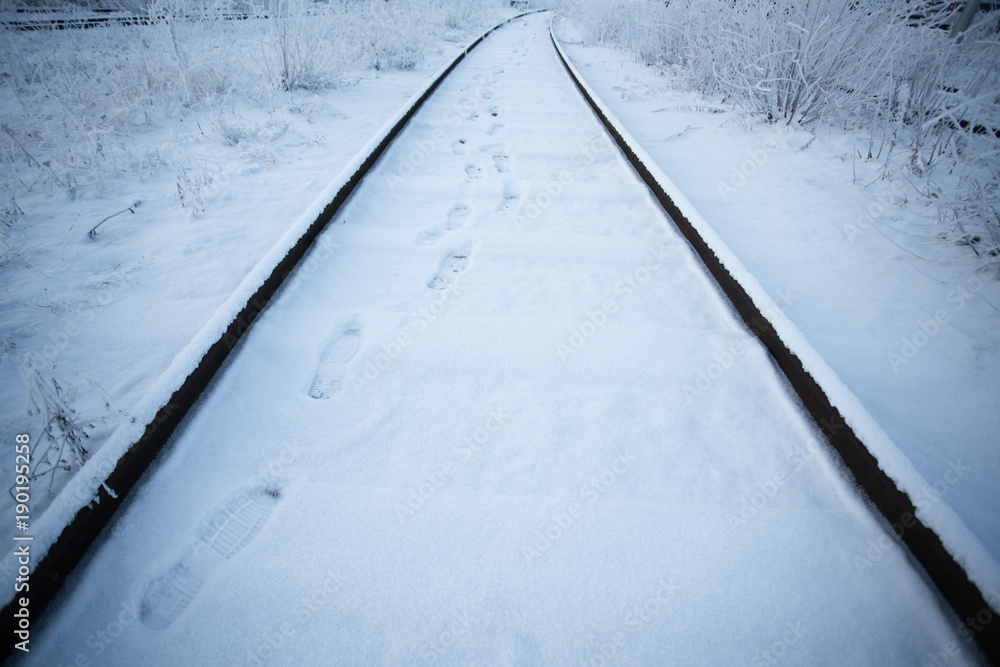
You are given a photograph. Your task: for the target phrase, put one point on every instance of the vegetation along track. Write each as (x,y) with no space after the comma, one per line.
(893,504)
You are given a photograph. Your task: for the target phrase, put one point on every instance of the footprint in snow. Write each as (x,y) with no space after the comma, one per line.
(224,533)
(502,162)
(493,128)
(458,147)
(458,216)
(333,360)
(493,110)
(429,236)
(452,264)
(473,172)
(511,194)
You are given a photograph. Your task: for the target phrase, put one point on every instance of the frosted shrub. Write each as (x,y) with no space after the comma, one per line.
(923,97)
(796,61)
(394,34)
(81,96)
(302,44)
(465,14)
(460,15)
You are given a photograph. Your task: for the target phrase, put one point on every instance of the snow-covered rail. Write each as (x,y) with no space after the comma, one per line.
(47,20)
(87,505)
(469,428)
(51,20)
(894,504)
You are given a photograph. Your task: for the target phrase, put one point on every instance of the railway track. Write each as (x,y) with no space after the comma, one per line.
(29,21)
(550,330)
(895,506)
(93,502)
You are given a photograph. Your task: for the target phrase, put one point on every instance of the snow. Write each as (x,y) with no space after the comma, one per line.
(136,308)
(899,328)
(510,471)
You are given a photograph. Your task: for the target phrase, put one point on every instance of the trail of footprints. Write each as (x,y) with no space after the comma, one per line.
(231,526)
(336,356)
(499,154)
(224,534)
(457,218)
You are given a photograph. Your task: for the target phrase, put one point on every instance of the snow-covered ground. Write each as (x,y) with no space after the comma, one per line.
(909,323)
(464,437)
(88,325)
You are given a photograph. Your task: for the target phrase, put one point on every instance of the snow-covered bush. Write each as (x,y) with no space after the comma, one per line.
(77,98)
(312,45)
(880,66)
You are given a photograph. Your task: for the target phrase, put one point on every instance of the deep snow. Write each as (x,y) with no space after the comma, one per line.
(908,323)
(107,318)
(463,438)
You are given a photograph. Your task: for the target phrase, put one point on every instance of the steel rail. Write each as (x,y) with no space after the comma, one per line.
(49,574)
(892,503)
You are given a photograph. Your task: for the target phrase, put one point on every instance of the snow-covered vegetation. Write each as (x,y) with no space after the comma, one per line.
(928,103)
(157,116)
(80,97)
